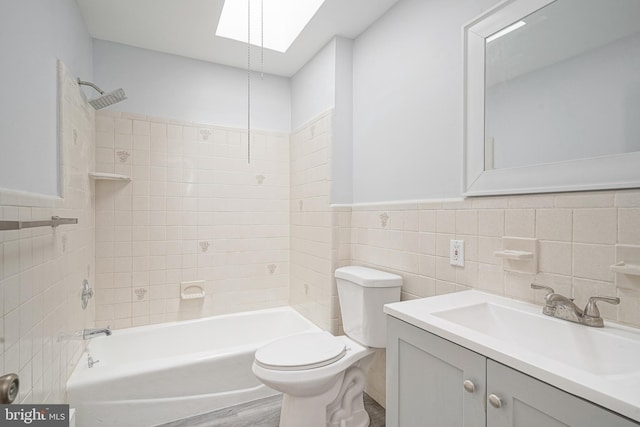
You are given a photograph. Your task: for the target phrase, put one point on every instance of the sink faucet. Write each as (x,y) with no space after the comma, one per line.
(562,307)
(87,334)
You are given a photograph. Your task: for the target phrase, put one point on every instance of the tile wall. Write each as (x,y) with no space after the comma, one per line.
(195,209)
(319,235)
(42,269)
(579,235)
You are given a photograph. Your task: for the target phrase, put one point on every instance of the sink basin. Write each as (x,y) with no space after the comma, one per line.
(594,350)
(598,364)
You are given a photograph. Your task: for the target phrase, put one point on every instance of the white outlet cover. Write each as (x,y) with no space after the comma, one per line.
(456,253)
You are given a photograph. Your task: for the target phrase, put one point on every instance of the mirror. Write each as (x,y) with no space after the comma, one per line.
(552,97)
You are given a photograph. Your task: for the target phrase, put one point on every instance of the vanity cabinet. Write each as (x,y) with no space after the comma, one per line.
(433,382)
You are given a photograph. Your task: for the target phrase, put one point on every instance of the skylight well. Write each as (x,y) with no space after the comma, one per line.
(283,21)
(497,35)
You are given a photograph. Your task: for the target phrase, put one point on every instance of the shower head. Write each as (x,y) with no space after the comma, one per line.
(105,99)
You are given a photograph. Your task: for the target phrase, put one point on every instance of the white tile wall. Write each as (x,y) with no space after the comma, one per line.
(42,269)
(319,235)
(577,236)
(576,232)
(194,210)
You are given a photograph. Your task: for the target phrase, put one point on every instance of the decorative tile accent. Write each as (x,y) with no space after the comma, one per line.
(205,133)
(384,219)
(260,178)
(140,293)
(123,155)
(272,268)
(204,246)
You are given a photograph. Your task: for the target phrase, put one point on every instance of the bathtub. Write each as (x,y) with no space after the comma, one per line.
(154,374)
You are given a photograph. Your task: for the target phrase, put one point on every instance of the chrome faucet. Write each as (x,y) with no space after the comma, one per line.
(91,361)
(87,334)
(562,307)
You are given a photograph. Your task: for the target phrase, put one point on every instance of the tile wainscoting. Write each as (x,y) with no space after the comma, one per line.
(577,235)
(319,233)
(195,209)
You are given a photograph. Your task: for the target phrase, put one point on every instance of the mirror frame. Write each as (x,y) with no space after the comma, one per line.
(598,173)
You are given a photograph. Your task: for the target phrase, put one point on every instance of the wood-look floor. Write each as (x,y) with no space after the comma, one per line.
(262,413)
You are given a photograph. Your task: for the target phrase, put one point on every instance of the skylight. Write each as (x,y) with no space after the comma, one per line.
(493,37)
(284,20)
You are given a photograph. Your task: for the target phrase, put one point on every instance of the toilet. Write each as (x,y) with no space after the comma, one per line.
(322,377)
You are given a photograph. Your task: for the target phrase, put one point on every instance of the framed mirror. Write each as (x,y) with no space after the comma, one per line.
(552,97)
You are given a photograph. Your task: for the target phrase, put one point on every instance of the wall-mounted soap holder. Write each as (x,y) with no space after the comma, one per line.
(192,290)
(520,254)
(512,254)
(626,268)
(103,176)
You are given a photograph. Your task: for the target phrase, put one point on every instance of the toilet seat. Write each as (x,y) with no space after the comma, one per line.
(300,352)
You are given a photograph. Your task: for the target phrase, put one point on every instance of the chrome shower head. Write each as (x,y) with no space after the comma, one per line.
(108,99)
(105,99)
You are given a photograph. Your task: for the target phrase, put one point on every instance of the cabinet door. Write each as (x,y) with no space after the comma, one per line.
(527,402)
(425,377)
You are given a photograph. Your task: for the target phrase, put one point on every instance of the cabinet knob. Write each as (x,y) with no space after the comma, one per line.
(469,386)
(495,401)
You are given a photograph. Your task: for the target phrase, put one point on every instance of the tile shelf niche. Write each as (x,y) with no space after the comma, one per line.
(108,176)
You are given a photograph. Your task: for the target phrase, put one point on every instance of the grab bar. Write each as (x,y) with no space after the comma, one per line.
(53,222)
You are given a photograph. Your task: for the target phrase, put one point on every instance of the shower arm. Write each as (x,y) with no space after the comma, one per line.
(80,82)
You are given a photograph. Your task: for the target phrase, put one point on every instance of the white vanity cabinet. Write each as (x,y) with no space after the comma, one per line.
(433,382)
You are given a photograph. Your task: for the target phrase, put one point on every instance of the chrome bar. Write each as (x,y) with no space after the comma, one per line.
(53,222)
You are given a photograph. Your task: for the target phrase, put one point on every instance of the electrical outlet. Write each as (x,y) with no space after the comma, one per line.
(456,253)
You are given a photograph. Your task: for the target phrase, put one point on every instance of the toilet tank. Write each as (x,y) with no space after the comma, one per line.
(362,292)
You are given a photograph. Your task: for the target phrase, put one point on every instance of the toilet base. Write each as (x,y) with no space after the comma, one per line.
(340,406)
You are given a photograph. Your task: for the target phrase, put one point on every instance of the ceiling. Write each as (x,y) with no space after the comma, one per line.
(187,28)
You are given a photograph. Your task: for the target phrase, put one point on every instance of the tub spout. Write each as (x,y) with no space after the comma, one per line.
(87,334)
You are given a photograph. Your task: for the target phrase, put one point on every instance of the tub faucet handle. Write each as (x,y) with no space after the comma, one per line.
(91,362)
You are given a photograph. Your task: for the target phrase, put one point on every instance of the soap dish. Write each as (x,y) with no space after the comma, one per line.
(624,268)
(192,290)
(515,255)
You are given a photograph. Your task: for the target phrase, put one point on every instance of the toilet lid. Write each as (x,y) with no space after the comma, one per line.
(303,351)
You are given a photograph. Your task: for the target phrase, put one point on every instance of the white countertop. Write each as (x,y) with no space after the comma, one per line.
(544,347)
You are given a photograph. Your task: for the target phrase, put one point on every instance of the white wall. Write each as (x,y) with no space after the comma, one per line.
(324,83)
(33,34)
(164,85)
(407,110)
(313,87)
(342,153)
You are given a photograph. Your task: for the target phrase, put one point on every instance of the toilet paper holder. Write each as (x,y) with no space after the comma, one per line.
(9,387)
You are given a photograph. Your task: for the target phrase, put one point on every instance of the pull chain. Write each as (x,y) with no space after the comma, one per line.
(248,81)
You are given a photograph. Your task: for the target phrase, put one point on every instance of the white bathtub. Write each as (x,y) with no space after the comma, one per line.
(155,374)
